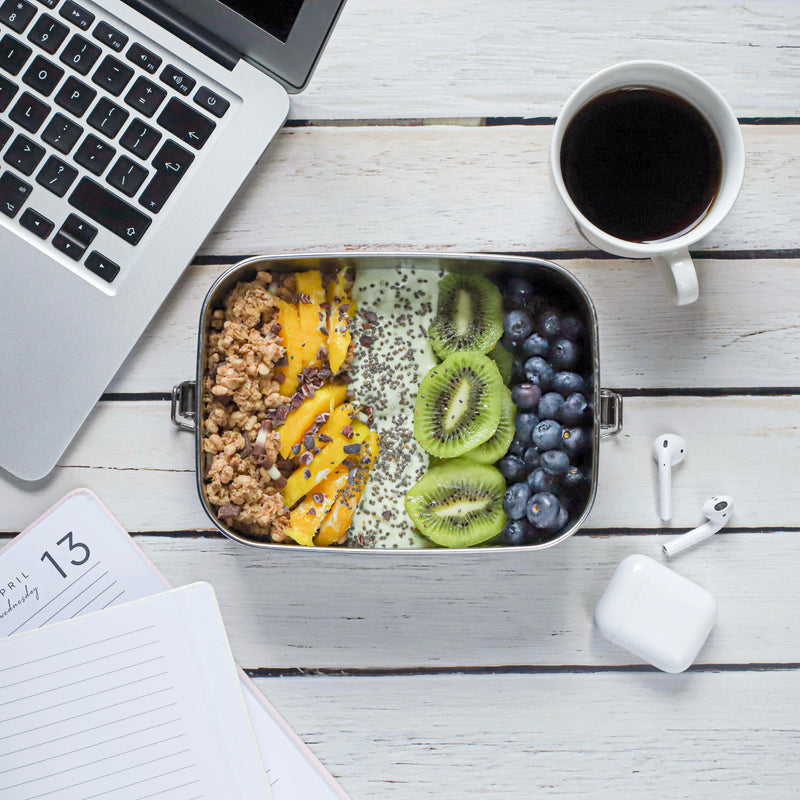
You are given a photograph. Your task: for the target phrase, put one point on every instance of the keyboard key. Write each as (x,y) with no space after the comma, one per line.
(140,139)
(48,33)
(13,193)
(145,97)
(115,39)
(94,154)
(42,75)
(178,80)
(68,246)
(37,224)
(79,230)
(211,102)
(56,176)
(62,133)
(24,155)
(186,123)
(102,266)
(143,58)
(17,14)
(112,75)
(80,54)
(171,163)
(49,3)
(75,96)
(7,91)
(77,15)
(127,176)
(107,117)
(5,134)
(13,54)
(29,112)
(108,210)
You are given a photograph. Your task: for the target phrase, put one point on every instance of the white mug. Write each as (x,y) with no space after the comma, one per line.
(672,253)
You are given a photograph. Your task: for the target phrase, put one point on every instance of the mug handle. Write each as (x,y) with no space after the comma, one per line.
(683,271)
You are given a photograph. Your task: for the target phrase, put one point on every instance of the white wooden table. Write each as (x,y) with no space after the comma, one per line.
(426,127)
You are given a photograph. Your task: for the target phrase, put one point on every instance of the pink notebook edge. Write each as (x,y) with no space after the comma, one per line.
(271,710)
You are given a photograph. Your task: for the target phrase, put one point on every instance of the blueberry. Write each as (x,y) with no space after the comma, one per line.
(550,325)
(573,409)
(512,467)
(535,345)
(555,462)
(565,382)
(519,291)
(542,509)
(574,479)
(524,423)
(550,406)
(547,434)
(564,354)
(518,447)
(532,457)
(541,481)
(517,325)
(562,518)
(573,440)
(571,328)
(515,532)
(526,395)
(539,371)
(516,499)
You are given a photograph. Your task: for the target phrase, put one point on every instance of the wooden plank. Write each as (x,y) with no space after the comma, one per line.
(735,335)
(602,736)
(130,454)
(459,188)
(339,611)
(476,59)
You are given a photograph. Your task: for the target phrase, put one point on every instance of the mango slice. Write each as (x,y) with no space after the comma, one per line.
(339,321)
(290,332)
(338,519)
(301,419)
(304,479)
(312,318)
(305,520)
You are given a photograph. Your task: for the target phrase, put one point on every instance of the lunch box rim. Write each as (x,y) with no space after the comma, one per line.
(186,405)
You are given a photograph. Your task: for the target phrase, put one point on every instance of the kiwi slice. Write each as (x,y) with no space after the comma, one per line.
(504,361)
(458,405)
(469,315)
(496,447)
(458,504)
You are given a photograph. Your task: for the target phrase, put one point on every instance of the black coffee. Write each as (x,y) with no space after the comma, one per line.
(641,164)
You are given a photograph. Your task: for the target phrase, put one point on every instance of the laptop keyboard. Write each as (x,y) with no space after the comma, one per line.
(92,116)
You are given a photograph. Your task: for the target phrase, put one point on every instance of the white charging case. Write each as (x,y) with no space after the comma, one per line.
(655,613)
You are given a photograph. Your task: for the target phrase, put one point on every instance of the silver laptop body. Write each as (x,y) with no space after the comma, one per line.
(84,268)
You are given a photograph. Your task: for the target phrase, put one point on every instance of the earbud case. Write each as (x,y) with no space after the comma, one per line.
(655,613)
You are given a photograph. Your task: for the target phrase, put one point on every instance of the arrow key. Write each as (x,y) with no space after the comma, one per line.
(37,224)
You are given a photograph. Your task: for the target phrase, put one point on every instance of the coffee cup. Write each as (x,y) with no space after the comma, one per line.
(648,158)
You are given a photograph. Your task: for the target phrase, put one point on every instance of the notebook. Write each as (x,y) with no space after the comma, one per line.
(126,128)
(76,559)
(136,701)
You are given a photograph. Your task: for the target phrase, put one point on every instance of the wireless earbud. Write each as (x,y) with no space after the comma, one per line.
(668,449)
(718,509)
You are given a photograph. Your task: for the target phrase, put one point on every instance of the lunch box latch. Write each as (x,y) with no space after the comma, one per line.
(610,413)
(184,399)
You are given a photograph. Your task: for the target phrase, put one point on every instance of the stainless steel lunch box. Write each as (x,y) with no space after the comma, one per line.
(186,399)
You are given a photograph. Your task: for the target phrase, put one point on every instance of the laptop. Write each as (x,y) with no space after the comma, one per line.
(125,129)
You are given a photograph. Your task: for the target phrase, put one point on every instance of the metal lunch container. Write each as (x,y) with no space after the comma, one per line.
(186,408)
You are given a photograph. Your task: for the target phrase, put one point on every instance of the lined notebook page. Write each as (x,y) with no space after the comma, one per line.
(135,702)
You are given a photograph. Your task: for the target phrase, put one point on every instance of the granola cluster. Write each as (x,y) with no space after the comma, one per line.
(241,395)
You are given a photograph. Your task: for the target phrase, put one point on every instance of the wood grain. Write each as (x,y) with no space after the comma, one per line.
(132,456)
(735,335)
(469,58)
(611,736)
(459,188)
